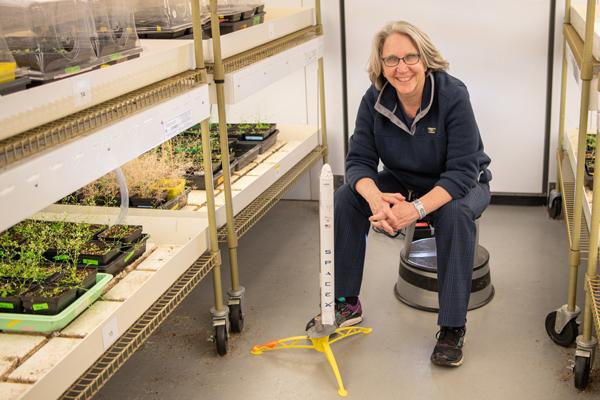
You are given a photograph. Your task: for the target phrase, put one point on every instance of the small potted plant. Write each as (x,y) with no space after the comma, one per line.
(121,233)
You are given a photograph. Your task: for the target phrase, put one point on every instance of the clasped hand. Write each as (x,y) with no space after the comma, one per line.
(391,212)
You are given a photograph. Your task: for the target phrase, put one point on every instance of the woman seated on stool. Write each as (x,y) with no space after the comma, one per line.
(418,120)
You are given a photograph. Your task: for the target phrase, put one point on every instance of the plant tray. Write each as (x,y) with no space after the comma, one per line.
(245,154)
(161,33)
(589,176)
(133,236)
(88,282)
(128,255)
(49,323)
(177,202)
(228,27)
(11,304)
(48,305)
(14,86)
(264,144)
(110,252)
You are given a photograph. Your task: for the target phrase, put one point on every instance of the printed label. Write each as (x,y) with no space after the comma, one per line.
(82,92)
(62,257)
(115,56)
(110,332)
(88,261)
(40,306)
(72,70)
(7,306)
(177,124)
(128,257)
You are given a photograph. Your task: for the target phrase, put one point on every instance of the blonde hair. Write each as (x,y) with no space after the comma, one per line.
(430,55)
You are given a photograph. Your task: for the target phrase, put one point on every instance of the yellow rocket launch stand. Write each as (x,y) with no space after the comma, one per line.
(320,344)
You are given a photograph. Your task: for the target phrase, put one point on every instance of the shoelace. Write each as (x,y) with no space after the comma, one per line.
(450,336)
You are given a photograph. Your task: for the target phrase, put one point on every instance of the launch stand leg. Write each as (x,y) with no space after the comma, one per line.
(320,344)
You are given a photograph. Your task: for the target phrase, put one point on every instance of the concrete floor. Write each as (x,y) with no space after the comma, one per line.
(507,353)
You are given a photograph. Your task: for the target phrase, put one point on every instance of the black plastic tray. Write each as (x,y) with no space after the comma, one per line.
(48,305)
(265,144)
(127,255)
(94,259)
(245,154)
(14,86)
(132,237)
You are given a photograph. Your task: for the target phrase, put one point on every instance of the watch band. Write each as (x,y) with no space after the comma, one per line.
(420,209)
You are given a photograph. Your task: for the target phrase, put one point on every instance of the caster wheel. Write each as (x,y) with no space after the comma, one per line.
(582,372)
(236,318)
(221,339)
(554,205)
(567,336)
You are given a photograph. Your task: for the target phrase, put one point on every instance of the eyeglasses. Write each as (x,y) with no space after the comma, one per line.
(409,59)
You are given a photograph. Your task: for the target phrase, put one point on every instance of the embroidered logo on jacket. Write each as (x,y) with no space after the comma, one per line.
(431,130)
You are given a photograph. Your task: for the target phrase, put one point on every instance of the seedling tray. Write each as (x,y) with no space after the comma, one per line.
(164,33)
(11,304)
(49,323)
(228,27)
(110,252)
(44,305)
(245,154)
(129,254)
(177,202)
(133,235)
(265,144)
(14,86)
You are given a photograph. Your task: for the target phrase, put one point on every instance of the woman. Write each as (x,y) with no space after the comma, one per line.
(418,120)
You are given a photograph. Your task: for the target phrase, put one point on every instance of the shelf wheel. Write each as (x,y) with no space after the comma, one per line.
(567,335)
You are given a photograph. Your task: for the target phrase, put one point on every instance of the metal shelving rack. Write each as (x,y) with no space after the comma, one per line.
(236,226)
(583,235)
(54,135)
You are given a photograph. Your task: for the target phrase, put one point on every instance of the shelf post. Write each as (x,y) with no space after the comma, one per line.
(563,85)
(219,78)
(321,72)
(586,79)
(207,167)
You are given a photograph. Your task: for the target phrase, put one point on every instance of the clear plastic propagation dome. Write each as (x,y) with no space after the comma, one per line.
(52,38)
(8,66)
(162,15)
(115,28)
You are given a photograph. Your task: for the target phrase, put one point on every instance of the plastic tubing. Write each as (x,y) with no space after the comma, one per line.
(124,196)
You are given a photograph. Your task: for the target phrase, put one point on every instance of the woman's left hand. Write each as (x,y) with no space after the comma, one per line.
(403,214)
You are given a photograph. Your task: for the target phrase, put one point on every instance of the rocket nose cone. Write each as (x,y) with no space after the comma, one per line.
(326,171)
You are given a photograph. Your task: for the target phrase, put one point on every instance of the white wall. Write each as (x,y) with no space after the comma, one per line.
(499,49)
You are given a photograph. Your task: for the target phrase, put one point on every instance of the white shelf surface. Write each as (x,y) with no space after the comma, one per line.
(278,22)
(29,186)
(253,78)
(571,149)
(47,366)
(29,108)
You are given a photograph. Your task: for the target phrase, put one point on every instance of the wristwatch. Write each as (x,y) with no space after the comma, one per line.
(420,209)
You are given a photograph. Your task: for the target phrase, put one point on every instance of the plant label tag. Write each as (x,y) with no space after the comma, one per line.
(82,92)
(271,31)
(177,124)
(110,332)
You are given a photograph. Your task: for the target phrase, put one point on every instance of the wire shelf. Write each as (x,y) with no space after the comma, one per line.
(567,189)
(253,212)
(593,286)
(52,134)
(241,60)
(107,365)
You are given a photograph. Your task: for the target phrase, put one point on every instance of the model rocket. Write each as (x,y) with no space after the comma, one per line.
(326,246)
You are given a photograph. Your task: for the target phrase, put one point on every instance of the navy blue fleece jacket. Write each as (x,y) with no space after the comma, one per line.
(442,147)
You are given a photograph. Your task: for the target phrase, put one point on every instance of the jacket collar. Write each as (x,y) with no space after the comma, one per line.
(387,103)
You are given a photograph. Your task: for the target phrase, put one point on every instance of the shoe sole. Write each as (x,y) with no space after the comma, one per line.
(351,321)
(448,364)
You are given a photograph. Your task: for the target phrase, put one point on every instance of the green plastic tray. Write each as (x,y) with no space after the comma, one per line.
(49,323)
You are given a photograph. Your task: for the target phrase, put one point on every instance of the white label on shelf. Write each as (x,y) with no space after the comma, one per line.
(82,92)
(278,169)
(177,124)
(271,30)
(110,332)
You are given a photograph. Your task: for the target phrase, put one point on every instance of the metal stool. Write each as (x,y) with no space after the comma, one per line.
(417,284)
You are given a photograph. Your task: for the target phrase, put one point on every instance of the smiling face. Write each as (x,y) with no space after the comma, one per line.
(408,80)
